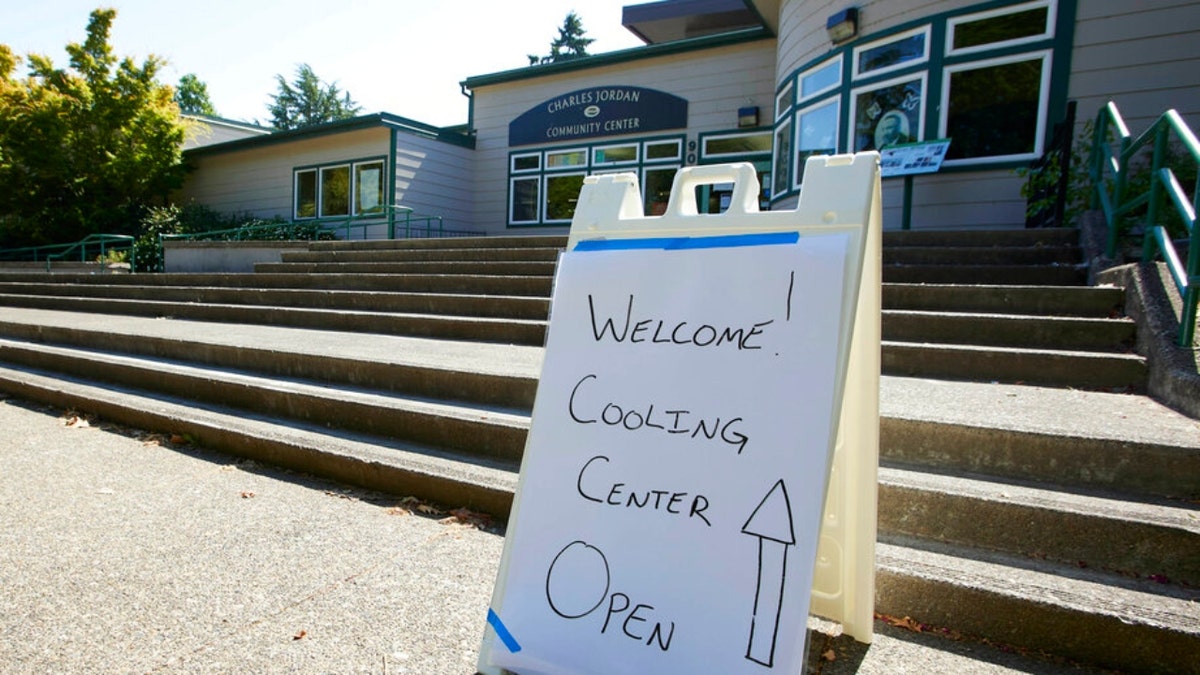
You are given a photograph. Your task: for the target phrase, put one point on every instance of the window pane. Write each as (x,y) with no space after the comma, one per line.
(783,155)
(615,154)
(525,200)
(335,191)
(526,162)
(368,181)
(558,160)
(562,193)
(891,54)
(783,101)
(993,111)
(740,144)
(667,150)
(821,79)
(306,194)
(818,128)
(1030,23)
(887,116)
(657,187)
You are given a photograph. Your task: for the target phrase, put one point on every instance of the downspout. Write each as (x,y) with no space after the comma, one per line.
(470,105)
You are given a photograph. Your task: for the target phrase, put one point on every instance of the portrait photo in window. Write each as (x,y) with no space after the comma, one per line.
(889,115)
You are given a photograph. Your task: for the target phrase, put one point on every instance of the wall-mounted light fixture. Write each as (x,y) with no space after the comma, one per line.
(843,25)
(748,116)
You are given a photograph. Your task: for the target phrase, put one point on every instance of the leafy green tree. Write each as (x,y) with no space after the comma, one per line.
(85,149)
(192,96)
(570,43)
(308,100)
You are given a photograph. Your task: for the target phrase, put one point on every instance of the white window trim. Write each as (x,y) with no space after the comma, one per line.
(854,93)
(321,190)
(646,159)
(512,193)
(637,154)
(924,58)
(802,97)
(354,187)
(705,155)
(296,193)
(1048,33)
(775,155)
(837,134)
(783,100)
(1046,56)
(512,162)
(566,151)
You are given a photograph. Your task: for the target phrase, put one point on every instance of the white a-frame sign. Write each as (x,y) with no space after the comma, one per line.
(702,457)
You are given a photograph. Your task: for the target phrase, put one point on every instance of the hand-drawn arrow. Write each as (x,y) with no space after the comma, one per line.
(771,522)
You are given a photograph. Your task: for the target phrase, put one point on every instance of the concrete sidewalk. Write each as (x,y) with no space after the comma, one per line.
(122,552)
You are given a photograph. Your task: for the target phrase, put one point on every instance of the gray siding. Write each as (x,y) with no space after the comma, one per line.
(435,179)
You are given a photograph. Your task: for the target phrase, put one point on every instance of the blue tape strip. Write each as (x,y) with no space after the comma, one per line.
(683,243)
(502,632)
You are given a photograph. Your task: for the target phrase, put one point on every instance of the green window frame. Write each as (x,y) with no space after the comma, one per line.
(999,28)
(340,189)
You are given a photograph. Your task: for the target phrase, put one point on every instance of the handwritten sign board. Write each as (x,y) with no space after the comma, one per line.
(913,158)
(673,482)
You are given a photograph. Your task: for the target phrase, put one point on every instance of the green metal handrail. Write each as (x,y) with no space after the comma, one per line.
(1113,168)
(52,252)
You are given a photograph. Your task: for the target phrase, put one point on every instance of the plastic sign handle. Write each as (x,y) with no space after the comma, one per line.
(745,188)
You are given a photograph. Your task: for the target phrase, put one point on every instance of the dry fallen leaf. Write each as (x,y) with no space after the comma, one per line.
(248,495)
(464,516)
(300,635)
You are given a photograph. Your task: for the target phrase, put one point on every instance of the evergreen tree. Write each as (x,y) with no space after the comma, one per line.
(192,97)
(308,101)
(570,43)
(84,149)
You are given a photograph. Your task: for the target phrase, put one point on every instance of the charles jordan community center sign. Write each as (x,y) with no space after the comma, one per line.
(598,111)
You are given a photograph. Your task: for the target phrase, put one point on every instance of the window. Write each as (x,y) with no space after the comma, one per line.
(340,190)
(783,156)
(821,79)
(306,194)
(335,191)
(906,49)
(1004,27)
(525,201)
(783,101)
(816,133)
(562,194)
(890,113)
(543,186)
(995,109)
(728,145)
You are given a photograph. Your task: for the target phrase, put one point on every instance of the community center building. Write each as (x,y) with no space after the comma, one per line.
(770,82)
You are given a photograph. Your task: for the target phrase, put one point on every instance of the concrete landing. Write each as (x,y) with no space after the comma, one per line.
(122,553)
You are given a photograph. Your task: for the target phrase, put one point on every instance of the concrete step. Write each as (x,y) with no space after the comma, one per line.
(507,241)
(1079,615)
(373,462)
(523,254)
(485,431)
(1006,330)
(526,286)
(491,306)
(1093,301)
(981,255)
(1062,236)
(507,331)
(545,269)
(1016,275)
(1141,540)
(1045,367)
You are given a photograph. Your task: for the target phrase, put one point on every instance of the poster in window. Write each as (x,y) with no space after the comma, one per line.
(887,116)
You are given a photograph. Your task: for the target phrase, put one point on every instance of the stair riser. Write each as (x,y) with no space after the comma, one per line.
(1084,636)
(540,255)
(1082,301)
(538,286)
(480,306)
(1022,332)
(987,238)
(509,392)
(382,476)
(1047,369)
(1058,255)
(1113,466)
(506,332)
(998,275)
(545,269)
(538,241)
(1089,541)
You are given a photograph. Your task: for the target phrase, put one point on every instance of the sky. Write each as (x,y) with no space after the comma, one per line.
(405,57)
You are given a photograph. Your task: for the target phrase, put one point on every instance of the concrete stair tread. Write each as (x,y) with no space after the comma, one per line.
(1098,321)
(1042,410)
(358,459)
